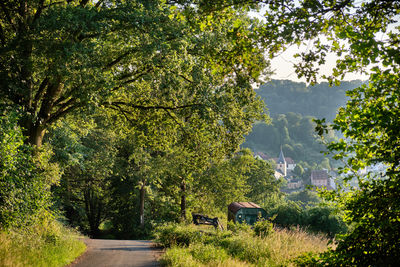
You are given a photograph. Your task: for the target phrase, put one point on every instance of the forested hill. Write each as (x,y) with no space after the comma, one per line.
(292,107)
(320,101)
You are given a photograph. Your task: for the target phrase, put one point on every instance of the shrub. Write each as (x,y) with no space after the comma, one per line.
(176,234)
(25,177)
(238,227)
(263,228)
(323,219)
(288,214)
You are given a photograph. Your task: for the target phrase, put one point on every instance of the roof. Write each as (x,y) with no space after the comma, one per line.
(281,158)
(289,160)
(235,206)
(261,155)
(319,175)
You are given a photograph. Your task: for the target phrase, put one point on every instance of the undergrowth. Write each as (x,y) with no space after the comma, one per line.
(187,246)
(47,244)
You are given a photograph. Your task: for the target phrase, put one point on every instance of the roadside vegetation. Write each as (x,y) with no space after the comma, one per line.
(50,244)
(189,245)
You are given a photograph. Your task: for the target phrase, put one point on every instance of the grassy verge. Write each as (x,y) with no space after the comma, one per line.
(50,244)
(187,246)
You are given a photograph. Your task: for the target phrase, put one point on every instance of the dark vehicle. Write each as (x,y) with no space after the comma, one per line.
(203,219)
(245,212)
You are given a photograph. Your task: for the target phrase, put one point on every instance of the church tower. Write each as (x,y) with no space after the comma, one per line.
(281,163)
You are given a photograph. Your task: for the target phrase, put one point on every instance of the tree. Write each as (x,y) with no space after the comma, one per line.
(365,35)
(183,61)
(262,181)
(87,153)
(298,170)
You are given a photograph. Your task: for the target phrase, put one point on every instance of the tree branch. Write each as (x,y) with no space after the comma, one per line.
(142,107)
(99,3)
(60,113)
(118,59)
(39,94)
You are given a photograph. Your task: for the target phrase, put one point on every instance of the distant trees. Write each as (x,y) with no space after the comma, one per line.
(295,133)
(318,101)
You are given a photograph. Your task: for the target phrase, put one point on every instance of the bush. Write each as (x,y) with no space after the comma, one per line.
(238,227)
(263,228)
(176,234)
(25,177)
(288,214)
(323,219)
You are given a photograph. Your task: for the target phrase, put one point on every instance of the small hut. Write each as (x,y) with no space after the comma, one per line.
(245,212)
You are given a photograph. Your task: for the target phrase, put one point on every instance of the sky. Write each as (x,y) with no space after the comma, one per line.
(282,65)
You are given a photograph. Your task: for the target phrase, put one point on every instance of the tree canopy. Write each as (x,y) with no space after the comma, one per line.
(145,59)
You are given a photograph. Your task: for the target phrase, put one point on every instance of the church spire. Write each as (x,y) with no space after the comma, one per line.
(281,159)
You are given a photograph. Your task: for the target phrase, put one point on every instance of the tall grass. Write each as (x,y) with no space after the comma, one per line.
(48,244)
(189,247)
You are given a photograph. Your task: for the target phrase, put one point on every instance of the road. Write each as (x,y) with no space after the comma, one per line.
(118,253)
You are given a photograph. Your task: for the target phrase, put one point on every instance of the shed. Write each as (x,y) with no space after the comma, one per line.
(245,212)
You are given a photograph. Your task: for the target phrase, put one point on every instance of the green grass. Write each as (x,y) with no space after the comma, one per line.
(186,246)
(50,244)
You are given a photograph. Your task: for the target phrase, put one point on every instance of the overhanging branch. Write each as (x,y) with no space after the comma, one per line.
(142,107)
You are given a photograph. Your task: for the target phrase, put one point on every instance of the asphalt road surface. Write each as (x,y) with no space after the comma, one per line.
(118,253)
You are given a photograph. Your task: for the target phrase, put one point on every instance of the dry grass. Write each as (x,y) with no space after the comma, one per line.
(241,249)
(285,245)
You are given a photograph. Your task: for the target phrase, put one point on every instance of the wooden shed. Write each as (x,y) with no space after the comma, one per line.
(245,212)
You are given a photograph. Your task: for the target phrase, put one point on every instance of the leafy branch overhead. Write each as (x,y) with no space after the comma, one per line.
(59,57)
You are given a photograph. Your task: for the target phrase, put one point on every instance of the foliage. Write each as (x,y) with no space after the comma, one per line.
(365,36)
(305,197)
(263,228)
(288,214)
(87,154)
(319,219)
(45,244)
(176,234)
(319,100)
(25,177)
(243,248)
(294,133)
(237,228)
(235,179)
(152,62)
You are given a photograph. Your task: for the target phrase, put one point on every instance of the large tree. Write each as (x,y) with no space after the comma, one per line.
(186,61)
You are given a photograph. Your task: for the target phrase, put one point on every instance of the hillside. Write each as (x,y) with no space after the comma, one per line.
(320,101)
(292,107)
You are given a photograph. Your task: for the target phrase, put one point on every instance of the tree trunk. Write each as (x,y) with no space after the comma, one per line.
(36,134)
(93,209)
(141,205)
(183,200)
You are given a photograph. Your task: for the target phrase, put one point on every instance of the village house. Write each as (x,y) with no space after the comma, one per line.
(321,178)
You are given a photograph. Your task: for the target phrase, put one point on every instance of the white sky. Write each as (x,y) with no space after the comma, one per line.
(282,65)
